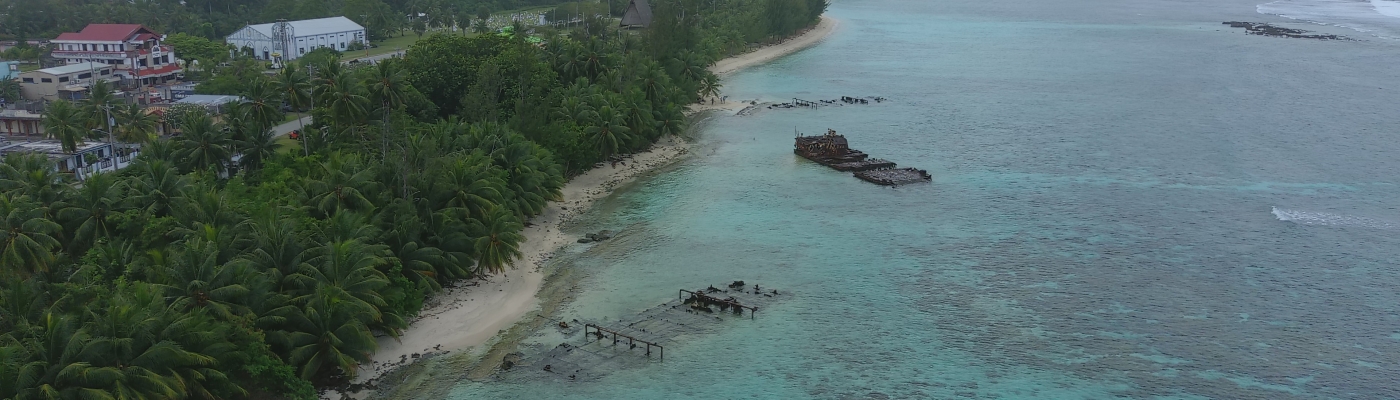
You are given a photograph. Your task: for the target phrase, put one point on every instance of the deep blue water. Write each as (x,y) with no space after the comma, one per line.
(1129,200)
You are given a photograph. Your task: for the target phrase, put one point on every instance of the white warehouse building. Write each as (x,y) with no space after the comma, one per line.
(297,37)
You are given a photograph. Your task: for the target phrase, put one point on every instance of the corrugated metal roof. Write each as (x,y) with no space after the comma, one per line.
(313,27)
(73,68)
(209,99)
(105,32)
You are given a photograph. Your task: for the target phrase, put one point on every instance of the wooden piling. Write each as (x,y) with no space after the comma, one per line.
(598,330)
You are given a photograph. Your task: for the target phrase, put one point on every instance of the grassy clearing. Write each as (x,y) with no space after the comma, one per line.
(388,45)
(287,144)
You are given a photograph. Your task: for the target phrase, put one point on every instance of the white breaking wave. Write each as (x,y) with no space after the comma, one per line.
(1376,17)
(1331,219)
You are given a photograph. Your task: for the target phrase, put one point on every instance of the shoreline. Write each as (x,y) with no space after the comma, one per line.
(802,40)
(471,314)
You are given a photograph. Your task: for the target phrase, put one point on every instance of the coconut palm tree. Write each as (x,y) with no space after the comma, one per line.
(57,368)
(9,89)
(128,341)
(572,109)
(262,105)
(344,184)
(692,65)
(470,185)
(709,85)
(134,125)
(67,124)
(350,267)
(386,86)
(158,187)
(33,175)
(533,181)
(608,131)
(328,331)
(87,213)
(670,120)
(202,145)
(102,99)
(194,278)
(345,100)
(257,148)
(277,249)
(500,245)
(295,88)
(27,243)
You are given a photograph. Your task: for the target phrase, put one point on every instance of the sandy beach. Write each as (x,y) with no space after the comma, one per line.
(772,52)
(474,312)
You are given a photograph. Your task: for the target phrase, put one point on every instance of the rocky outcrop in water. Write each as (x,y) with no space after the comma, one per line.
(1264,29)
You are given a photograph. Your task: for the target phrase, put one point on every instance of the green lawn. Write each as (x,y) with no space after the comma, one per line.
(388,45)
(28,67)
(288,144)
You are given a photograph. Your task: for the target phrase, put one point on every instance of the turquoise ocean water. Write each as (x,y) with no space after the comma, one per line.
(1130,200)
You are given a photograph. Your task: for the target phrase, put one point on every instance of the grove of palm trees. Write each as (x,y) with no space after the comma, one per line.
(226,262)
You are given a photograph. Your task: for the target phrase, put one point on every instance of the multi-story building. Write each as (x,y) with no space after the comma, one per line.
(67,82)
(134,52)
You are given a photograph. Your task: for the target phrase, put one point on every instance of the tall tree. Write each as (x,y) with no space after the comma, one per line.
(134,124)
(500,245)
(64,122)
(89,214)
(27,243)
(262,104)
(102,99)
(386,85)
(9,89)
(295,88)
(203,145)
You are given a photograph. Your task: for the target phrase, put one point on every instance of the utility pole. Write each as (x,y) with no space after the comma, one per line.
(311,78)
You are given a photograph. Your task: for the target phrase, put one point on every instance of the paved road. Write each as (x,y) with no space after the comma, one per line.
(283,129)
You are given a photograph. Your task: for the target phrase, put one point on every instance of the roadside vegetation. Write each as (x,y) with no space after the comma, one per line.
(227,262)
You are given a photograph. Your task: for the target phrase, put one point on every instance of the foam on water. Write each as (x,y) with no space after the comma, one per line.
(1331,219)
(1380,18)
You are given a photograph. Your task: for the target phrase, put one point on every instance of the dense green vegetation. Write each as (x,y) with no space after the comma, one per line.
(217,266)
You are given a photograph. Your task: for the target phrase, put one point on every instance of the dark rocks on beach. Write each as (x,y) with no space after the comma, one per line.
(585,240)
(737,284)
(507,365)
(1264,29)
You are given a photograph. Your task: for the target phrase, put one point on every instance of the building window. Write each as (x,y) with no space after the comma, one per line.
(85,76)
(45,80)
(28,80)
(106,72)
(63,79)
(342,45)
(302,50)
(105,48)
